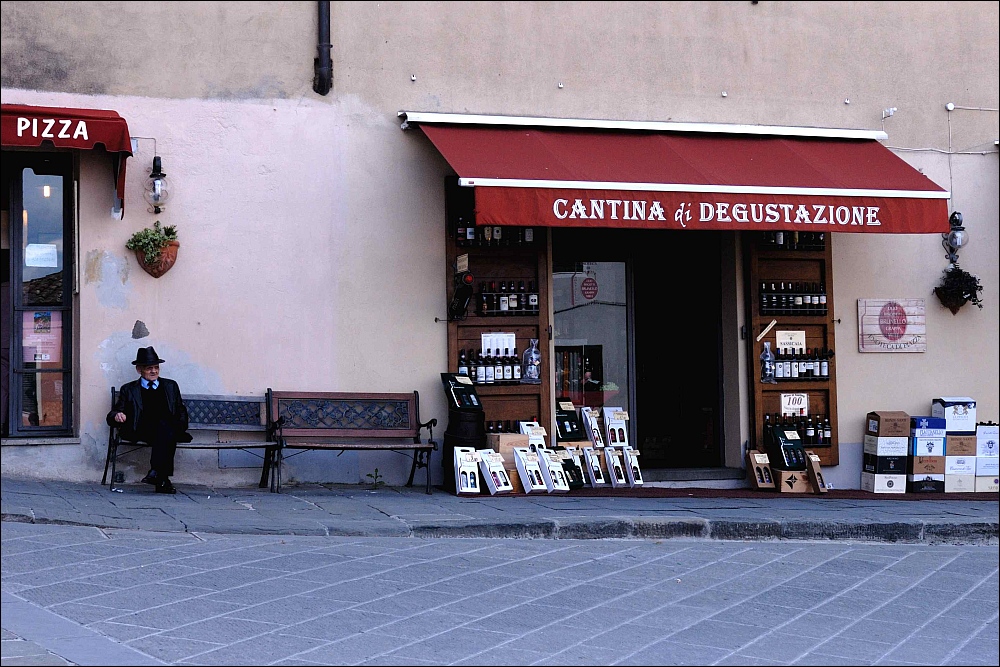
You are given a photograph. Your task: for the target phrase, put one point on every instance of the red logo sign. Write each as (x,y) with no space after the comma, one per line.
(588,288)
(892,321)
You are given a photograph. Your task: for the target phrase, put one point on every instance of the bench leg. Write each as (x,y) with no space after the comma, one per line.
(266,470)
(413,468)
(421,459)
(114,464)
(107,462)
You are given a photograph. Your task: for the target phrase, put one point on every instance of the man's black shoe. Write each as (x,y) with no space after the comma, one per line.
(150,478)
(165,487)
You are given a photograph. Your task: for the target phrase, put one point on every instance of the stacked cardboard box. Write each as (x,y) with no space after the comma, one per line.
(928,463)
(885,452)
(988,458)
(958,414)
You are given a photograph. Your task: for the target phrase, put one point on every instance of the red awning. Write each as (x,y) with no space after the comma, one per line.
(61,127)
(590,177)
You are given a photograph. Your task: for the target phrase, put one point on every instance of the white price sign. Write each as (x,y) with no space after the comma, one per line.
(794,404)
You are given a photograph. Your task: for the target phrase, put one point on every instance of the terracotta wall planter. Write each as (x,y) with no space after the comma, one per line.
(168,255)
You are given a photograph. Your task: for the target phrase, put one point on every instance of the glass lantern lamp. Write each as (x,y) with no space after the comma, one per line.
(156,191)
(955,239)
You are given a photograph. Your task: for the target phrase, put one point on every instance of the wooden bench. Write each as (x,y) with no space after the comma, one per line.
(226,416)
(344,421)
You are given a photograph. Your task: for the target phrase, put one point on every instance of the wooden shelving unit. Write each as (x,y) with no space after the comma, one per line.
(767,264)
(501,263)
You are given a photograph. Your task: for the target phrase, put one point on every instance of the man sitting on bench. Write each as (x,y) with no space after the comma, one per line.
(151,410)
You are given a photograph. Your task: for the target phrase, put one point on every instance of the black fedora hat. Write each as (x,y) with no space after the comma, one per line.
(146,356)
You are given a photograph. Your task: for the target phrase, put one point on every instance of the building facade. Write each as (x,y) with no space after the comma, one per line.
(313,236)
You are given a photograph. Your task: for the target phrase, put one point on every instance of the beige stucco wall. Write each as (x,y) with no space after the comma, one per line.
(312,236)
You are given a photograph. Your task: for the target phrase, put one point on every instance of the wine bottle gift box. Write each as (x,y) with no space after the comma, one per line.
(552,470)
(491,466)
(467,480)
(595,472)
(630,459)
(529,471)
(616,472)
(759,470)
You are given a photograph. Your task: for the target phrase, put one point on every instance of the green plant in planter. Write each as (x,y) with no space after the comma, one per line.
(152,240)
(958,287)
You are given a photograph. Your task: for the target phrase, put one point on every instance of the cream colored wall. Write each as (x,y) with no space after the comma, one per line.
(311,227)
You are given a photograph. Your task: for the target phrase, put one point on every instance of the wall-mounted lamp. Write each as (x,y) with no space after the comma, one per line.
(954,239)
(156,187)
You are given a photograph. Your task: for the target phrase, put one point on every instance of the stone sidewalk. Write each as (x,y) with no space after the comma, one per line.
(399,512)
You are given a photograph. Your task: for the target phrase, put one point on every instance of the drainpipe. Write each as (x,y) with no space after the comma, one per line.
(323,79)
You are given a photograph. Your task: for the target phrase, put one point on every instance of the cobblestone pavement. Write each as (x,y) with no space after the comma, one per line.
(91,596)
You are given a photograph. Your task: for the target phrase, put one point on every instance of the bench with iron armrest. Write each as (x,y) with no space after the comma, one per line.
(232,418)
(308,421)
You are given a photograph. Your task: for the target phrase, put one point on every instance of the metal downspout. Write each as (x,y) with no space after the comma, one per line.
(323,64)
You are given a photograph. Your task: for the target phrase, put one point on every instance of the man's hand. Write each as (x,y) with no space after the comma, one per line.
(120,417)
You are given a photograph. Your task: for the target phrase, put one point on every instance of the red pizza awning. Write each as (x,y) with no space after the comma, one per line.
(61,127)
(697,177)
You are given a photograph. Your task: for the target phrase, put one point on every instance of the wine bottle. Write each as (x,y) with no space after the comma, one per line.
(492,298)
(480,368)
(532,297)
(779,365)
(767,364)
(764,298)
(522,299)
(460,232)
(490,367)
(827,431)
(508,367)
(824,365)
(483,302)
(498,367)
(504,307)
(797,303)
(463,364)
(810,431)
(516,368)
(822,298)
(513,303)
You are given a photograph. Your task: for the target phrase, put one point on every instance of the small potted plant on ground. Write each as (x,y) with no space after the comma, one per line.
(958,287)
(155,248)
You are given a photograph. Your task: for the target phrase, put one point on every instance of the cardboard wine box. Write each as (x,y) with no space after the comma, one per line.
(591,423)
(959,483)
(988,484)
(960,445)
(552,471)
(493,473)
(960,465)
(613,458)
(506,443)
(987,466)
(935,446)
(958,412)
(615,427)
(884,465)
(529,470)
(792,481)
(816,474)
(569,428)
(592,467)
(926,465)
(927,427)
(925,483)
(987,440)
(887,446)
(887,423)
(759,470)
(883,483)
(630,459)
(467,481)
(514,477)
(572,469)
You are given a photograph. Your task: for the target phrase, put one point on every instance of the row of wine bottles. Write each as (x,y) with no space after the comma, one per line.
(507,299)
(495,369)
(785,297)
(809,364)
(468,234)
(813,432)
(794,240)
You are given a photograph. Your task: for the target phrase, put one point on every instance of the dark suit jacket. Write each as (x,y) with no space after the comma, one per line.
(129,401)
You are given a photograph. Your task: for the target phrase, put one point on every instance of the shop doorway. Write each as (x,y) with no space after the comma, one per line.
(37,292)
(638,314)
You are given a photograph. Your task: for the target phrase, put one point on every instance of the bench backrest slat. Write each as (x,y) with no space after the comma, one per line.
(226,413)
(346,414)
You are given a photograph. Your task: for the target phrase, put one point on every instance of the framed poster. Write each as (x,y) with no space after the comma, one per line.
(892,325)
(41,336)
